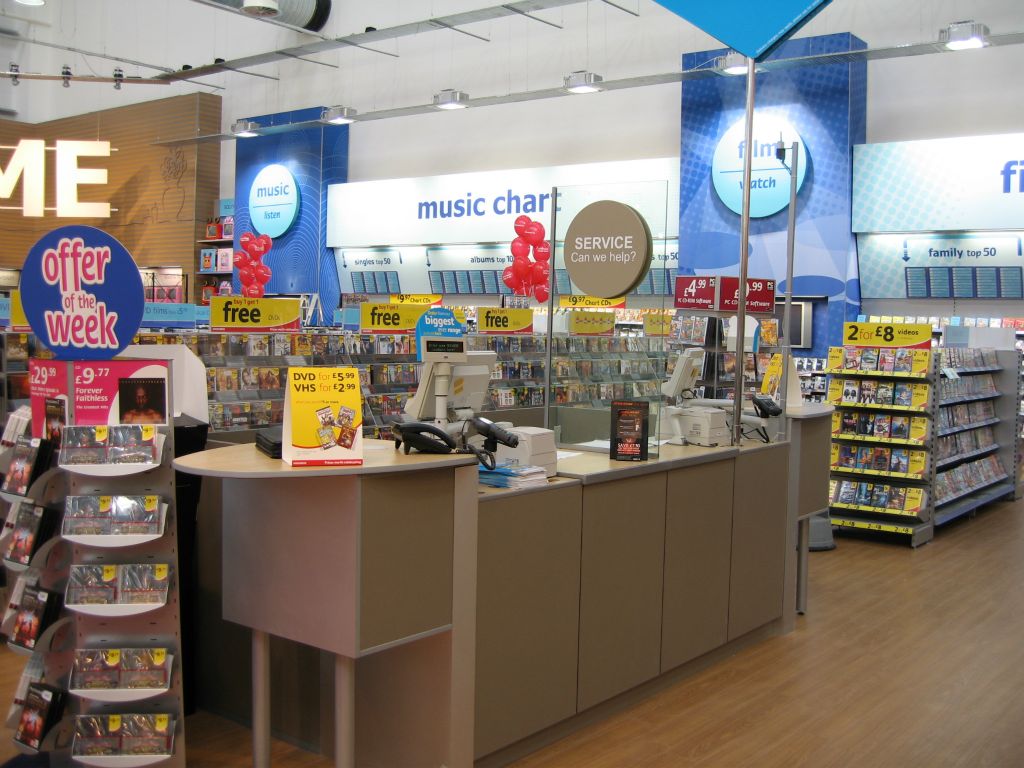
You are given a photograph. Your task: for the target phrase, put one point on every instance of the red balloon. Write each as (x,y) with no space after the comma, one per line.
(241,259)
(539,272)
(508,278)
(542,251)
(261,274)
(521,223)
(521,269)
(533,233)
(245,240)
(266,242)
(540,292)
(254,291)
(520,248)
(246,275)
(525,289)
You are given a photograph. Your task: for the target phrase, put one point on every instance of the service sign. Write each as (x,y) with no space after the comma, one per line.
(760,295)
(323,418)
(584,323)
(696,292)
(504,321)
(240,314)
(389,318)
(82,293)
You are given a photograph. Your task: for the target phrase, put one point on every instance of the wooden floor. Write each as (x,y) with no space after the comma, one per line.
(906,658)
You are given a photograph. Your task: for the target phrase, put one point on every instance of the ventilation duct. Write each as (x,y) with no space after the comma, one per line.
(307,14)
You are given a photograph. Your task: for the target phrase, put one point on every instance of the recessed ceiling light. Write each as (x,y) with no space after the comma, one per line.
(338,115)
(244,129)
(582,81)
(733,64)
(449,98)
(964,35)
(31,2)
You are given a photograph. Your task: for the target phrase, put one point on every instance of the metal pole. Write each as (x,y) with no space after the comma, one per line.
(548,376)
(787,351)
(741,309)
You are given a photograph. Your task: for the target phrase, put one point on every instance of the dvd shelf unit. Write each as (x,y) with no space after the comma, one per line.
(920,436)
(113,654)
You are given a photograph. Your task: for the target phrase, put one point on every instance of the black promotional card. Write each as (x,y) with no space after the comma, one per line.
(629,429)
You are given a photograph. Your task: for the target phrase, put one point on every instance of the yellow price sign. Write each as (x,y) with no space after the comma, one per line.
(237,313)
(887,334)
(591,323)
(19,322)
(591,302)
(492,320)
(113,723)
(416,299)
(389,318)
(656,324)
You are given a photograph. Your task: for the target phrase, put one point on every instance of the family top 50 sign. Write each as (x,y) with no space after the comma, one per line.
(82,293)
(28,163)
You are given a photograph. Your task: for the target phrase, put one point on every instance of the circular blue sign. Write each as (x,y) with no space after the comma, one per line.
(769,178)
(273,200)
(82,293)
(437,321)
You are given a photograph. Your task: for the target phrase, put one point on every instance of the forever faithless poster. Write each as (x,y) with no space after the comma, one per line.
(323,420)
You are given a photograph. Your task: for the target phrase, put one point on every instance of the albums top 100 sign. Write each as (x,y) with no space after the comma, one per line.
(82,293)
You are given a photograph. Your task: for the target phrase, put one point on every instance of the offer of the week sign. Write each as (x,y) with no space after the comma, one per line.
(323,418)
(81,293)
(238,313)
(504,321)
(389,318)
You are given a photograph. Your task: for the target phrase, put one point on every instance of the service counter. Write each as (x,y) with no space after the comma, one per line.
(610,579)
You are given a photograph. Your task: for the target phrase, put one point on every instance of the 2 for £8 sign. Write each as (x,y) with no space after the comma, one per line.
(82,293)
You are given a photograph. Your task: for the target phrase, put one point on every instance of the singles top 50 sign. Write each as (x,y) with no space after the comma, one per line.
(82,293)
(28,163)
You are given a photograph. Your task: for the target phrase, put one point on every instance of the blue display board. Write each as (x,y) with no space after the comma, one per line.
(825,106)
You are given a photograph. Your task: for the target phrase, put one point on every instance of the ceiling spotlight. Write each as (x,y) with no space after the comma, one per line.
(582,81)
(450,99)
(338,115)
(732,64)
(244,129)
(118,78)
(14,69)
(65,73)
(31,2)
(963,35)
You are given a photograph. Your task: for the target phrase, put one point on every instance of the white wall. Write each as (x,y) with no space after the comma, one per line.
(973,92)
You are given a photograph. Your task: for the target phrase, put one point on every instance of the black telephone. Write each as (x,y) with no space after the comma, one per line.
(764,406)
(425,438)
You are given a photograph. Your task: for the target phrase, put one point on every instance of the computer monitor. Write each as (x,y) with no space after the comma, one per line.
(467,387)
(687,371)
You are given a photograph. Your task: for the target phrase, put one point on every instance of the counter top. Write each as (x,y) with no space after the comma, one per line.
(593,468)
(379,457)
(809,410)
(487,493)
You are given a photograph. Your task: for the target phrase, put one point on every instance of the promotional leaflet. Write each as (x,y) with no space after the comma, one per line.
(120,392)
(48,387)
(629,430)
(323,422)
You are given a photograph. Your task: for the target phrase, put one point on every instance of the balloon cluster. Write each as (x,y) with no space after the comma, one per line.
(526,277)
(253,274)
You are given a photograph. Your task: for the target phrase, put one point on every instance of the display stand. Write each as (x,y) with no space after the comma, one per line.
(115,625)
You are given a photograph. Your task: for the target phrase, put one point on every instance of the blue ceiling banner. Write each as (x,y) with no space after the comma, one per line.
(82,293)
(752,27)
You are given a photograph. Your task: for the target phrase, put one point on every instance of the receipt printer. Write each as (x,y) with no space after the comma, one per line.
(536,447)
(698,426)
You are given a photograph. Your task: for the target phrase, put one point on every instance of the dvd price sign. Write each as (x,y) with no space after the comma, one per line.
(696,292)
(760,295)
(887,335)
(82,293)
(322,418)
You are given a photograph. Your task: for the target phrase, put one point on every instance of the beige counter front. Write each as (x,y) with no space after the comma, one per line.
(618,574)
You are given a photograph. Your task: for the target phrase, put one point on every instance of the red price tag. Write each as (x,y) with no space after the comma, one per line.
(760,295)
(696,292)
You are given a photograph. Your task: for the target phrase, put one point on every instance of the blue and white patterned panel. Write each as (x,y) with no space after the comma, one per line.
(300,260)
(826,106)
